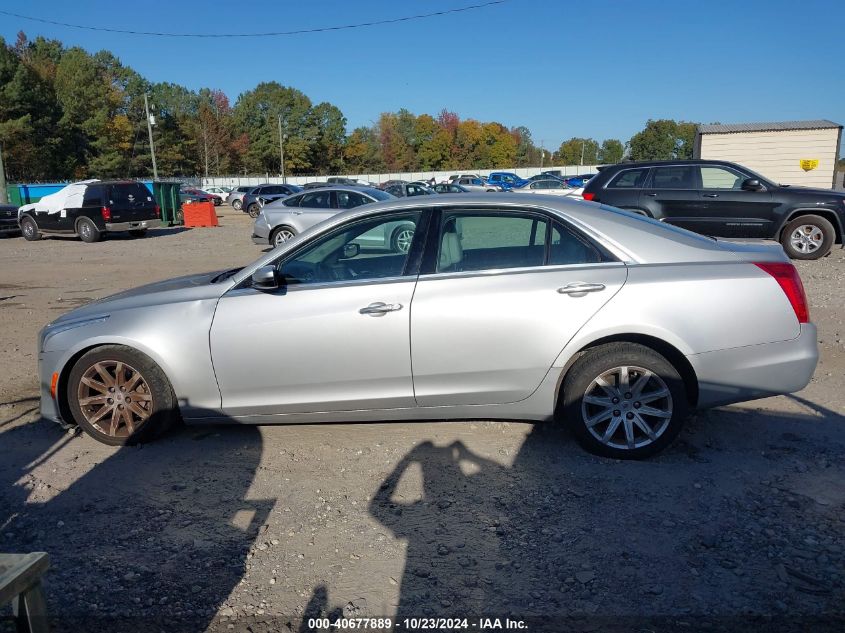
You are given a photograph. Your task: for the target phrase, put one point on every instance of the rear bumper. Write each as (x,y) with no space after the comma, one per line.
(132,226)
(756,371)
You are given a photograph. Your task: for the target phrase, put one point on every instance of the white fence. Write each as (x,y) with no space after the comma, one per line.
(523,172)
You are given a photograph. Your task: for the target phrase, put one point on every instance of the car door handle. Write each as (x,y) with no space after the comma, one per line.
(710,195)
(578,288)
(651,195)
(378,308)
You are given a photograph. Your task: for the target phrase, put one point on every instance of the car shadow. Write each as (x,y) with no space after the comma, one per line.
(696,538)
(147,538)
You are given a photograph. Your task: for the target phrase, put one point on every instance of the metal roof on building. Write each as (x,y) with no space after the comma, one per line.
(727,128)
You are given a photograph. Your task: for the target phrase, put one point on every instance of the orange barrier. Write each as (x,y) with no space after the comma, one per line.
(199,214)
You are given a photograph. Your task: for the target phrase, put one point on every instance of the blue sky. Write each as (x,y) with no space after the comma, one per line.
(599,68)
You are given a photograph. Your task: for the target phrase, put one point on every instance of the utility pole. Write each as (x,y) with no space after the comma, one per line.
(542,154)
(4,196)
(150,123)
(282,148)
(582,152)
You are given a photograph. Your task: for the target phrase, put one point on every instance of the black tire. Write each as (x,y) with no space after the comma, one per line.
(253,210)
(237,205)
(275,233)
(398,241)
(603,360)
(29,229)
(163,408)
(819,236)
(138,232)
(88,231)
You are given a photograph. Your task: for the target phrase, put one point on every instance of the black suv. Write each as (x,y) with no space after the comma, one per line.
(96,208)
(724,199)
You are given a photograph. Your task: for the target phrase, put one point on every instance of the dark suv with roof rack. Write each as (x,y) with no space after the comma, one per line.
(723,199)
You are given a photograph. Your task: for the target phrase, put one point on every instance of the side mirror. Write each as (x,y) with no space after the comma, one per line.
(351,250)
(752,184)
(265,278)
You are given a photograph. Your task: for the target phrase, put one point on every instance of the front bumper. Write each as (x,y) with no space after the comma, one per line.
(132,226)
(9,227)
(48,362)
(756,371)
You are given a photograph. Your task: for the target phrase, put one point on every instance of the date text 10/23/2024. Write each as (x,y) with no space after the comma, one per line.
(416,624)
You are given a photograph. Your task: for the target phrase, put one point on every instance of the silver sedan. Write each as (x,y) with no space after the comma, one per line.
(505,306)
(284,219)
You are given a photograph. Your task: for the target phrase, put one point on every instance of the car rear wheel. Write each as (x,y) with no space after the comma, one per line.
(624,400)
(236,205)
(254,209)
(808,237)
(87,231)
(119,396)
(281,234)
(400,241)
(29,229)
(138,232)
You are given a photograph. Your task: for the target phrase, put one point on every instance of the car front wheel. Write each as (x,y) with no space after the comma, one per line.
(119,396)
(624,400)
(808,237)
(401,240)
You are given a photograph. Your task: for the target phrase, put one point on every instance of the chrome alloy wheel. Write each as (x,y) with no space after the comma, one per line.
(114,398)
(403,240)
(627,407)
(806,238)
(282,236)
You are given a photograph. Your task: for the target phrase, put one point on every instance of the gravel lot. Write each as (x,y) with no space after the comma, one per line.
(738,526)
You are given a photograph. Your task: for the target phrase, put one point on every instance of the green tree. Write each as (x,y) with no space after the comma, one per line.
(663,139)
(611,151)
(578,151)
(330,125)
(256,114)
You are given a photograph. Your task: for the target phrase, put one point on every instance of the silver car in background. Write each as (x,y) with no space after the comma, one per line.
(284,219)
(506,306)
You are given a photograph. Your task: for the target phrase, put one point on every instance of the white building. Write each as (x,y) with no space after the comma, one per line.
(789,152)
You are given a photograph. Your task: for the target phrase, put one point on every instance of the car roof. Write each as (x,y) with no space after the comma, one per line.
(333,187)
(658,163)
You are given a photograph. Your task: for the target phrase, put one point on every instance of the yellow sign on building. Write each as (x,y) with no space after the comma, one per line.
(808,164)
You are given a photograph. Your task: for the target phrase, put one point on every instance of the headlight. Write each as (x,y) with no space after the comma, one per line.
(51,330)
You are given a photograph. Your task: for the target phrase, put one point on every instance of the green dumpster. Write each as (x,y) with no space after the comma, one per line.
(167,197)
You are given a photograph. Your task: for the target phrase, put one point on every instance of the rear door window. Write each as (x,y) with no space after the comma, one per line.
(629,179)
(350,199)
(673,177)
(568,248)
(317,200)
(472,241)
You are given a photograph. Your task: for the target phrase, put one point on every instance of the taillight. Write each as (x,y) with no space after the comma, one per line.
(588,196)
(787,277)
(158,211)
(106,213)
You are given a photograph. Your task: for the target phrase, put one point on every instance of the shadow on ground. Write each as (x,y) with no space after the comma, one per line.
(150,538)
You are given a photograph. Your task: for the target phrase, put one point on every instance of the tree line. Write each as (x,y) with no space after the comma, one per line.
(69,114)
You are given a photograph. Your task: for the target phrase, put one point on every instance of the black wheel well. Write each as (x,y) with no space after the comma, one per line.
(670,352)
(827,214)
(61,385)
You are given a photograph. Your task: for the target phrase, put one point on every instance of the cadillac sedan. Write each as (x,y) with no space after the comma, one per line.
(505,306)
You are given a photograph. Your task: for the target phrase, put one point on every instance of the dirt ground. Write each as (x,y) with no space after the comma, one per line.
(738,526)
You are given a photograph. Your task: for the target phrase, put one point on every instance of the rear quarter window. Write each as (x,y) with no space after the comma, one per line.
(629,179)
